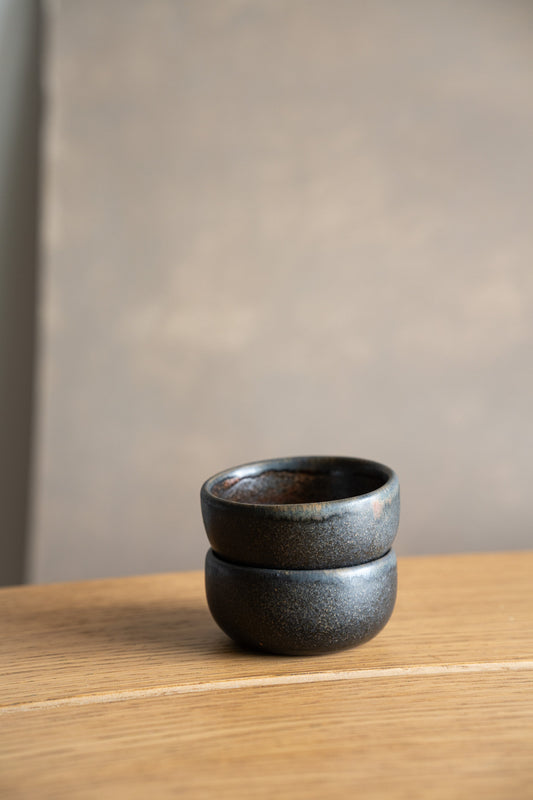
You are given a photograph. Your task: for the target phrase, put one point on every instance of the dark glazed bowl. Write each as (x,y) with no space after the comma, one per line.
(301,612)
(307,512)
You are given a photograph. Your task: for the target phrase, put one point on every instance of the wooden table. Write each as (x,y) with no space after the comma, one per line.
(126,689)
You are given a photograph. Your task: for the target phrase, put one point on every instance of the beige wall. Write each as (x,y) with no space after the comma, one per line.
(277,228)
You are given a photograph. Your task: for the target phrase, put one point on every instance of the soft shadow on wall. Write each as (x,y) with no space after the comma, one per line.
(19,144)
(280,228)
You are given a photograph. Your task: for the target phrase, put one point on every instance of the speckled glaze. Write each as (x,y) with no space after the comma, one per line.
(301,612)
(307,512)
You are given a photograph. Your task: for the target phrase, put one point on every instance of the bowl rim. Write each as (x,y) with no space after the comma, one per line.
(253,468)
(365,569)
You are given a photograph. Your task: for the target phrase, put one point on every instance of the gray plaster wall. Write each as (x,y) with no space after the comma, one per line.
(279,228)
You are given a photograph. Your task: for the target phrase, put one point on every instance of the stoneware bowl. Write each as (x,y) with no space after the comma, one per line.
(301,612)
(310,512)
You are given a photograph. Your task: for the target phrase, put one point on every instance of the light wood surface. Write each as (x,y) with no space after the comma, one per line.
(126,689)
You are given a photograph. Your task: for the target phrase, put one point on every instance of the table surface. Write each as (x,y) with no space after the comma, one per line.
(125,688)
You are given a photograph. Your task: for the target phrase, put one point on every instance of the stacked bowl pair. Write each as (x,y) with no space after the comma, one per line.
(301,560)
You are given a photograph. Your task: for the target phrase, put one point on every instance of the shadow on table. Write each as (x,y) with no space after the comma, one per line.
(161,627)
(184,628)
(187,628)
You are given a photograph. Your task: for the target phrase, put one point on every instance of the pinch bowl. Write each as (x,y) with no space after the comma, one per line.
(301,612)
(305,512)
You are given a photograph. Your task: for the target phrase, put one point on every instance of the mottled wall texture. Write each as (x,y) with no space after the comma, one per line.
(277,228)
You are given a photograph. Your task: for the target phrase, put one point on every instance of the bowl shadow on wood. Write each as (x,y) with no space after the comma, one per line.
(162,629)
(158,627)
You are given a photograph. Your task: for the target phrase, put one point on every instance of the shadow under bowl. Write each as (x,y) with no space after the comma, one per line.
(306,512)
(301,612)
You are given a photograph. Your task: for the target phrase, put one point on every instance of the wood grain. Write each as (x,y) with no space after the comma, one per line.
(142,633)
(407,737)
(126,689)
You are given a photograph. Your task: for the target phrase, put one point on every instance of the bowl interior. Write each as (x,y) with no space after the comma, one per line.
(287,486)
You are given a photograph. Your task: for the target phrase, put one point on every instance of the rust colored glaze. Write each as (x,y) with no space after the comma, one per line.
(286,487)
